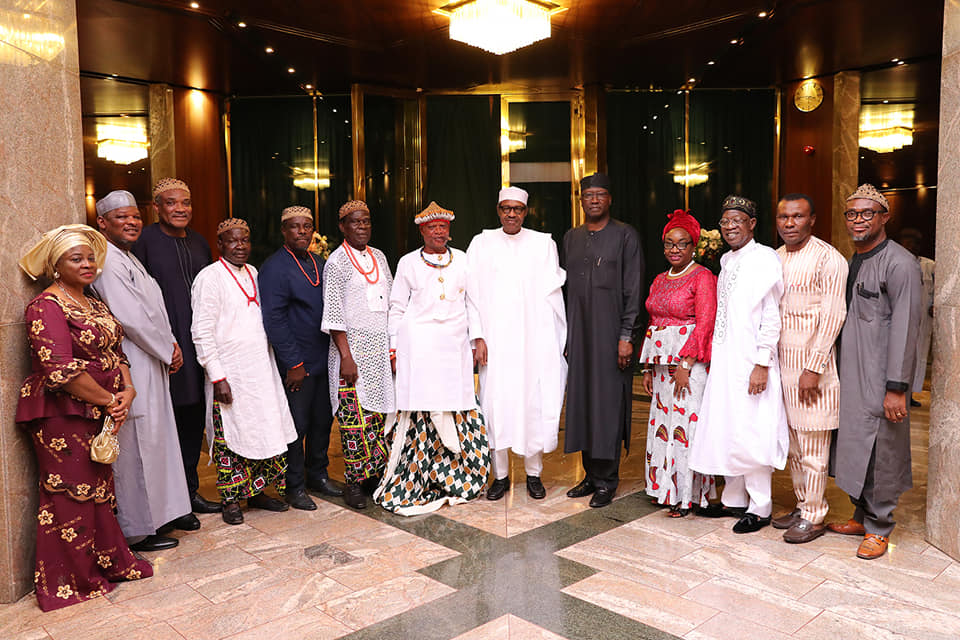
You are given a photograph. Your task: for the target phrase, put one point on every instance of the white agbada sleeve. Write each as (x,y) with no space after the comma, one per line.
(473,289)
(206,297)
(399,299)
(770,325)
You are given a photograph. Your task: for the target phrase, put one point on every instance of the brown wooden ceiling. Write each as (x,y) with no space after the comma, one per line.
(401,43)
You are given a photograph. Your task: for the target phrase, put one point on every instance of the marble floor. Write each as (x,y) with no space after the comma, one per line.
(524,569)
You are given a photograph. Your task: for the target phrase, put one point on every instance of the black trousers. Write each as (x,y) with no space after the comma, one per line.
(603,473)
(312,415)
(191,421)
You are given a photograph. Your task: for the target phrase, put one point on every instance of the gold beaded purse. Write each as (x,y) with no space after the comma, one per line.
(105,446)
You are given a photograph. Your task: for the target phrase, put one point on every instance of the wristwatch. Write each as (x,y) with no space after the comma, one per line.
(684,364)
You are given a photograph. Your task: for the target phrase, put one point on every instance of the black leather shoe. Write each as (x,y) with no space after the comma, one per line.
(750,522)
(155,543)
(497,488)
(327,487)
(188,522)
(199,504)
(298,499)
(601,497)
(914,403)
(718,510)
(265,502)
(583,489)
(231,513)
(353,496)
(535,488)
(369,485)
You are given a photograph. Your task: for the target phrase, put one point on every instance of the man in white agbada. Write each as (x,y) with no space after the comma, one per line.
(742,432)
(248,419)
(150,486)
(520,338)
(439,452)
(912,240)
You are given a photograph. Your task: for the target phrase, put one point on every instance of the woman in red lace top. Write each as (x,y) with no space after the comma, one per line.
(79,374)
(676,353)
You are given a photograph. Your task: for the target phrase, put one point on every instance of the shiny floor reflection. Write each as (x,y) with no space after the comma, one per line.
(521,568)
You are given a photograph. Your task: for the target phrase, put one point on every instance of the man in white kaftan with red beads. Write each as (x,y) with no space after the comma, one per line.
(356,297)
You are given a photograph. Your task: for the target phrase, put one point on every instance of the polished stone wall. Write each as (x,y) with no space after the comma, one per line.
(846,153)
(943,491)
(41,186)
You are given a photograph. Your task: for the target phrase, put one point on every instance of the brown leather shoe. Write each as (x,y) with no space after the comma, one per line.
(231,513)
(849,528)
(872,547)
(803,531)
(787,520)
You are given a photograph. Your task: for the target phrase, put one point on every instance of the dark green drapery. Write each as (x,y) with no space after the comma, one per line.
(271,145)
(463,161)
(645,150)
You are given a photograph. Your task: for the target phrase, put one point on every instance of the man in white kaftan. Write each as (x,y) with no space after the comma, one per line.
(742,432)
(150,485)
(516,276)
(244,393)
(356,296)
(439,452)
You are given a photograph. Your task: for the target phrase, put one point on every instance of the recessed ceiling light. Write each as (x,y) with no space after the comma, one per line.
(194,5)
(886,102)
(113,75)
(895,60)
(291,70)
(26,16)
(734,41)
(762,14)
(901,62)
(691,79)
(334,110)
(242,25)
(308,86)
(346,122)
(269,49)
(711,62)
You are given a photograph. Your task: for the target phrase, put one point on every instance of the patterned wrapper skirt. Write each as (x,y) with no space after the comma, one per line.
(238,477)
(670,432)
(423,474)
(80,547)
(361,436)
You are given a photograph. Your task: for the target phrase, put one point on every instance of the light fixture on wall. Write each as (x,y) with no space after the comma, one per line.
(27,38)
(885,128)
(306,180)
(499,26)
(691,175)
(122,144)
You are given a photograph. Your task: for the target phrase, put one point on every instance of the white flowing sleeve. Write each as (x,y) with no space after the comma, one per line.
(399,298)
(334,287)
(770,323)
(206,298)
(473,290)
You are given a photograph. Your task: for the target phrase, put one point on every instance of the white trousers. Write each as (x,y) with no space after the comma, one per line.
(533,463)
(752,491)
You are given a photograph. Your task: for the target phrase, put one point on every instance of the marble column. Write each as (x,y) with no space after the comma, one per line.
(943,487)
(41,186)
(846,154)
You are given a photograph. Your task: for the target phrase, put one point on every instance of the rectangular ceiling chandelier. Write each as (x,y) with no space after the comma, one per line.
(499,26)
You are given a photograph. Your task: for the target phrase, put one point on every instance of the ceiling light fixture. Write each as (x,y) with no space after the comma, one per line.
(194,5)
(269,49)
(291,70)
(734,41)
(895,60)
(499,26)
(242,25)
(899,62)
(122,144)
(711,62)
(308,86)
(29,38)
(885,129)
(762,14)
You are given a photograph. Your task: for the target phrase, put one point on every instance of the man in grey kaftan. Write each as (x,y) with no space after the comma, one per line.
(604,264)
(150,486)
(878,350)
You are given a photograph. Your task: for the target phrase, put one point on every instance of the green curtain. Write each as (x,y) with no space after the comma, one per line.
(735,131)
(463,161)
(271,145)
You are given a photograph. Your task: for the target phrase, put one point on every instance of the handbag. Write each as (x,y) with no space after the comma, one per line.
(105,446)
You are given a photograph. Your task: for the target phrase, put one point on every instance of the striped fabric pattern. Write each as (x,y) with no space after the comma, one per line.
(813,309)
(809,458)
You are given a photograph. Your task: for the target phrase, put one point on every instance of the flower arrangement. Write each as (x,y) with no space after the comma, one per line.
(708,249)
(319,245)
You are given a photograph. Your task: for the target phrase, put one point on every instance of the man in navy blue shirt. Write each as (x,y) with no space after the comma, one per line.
(291,296)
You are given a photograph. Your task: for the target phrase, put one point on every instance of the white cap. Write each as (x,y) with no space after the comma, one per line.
(115,200)
(513,193)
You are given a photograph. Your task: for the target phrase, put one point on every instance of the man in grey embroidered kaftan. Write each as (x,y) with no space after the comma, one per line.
(150,485)
(604,265)
(878,351)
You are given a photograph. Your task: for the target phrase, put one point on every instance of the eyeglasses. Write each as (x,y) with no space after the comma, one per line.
(594,195)
(866,214)
(682,245)
(726,223)
(515,209)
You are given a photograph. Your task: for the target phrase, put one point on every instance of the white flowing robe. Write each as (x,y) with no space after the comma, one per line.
(926,323)
(150,485)
(232,345)
(429,328)
(738,432)
(515,281)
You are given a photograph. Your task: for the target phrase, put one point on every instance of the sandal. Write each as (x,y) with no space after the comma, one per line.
(677,512)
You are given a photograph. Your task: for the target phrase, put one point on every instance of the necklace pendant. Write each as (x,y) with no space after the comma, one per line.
(440,279)
(443,296)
